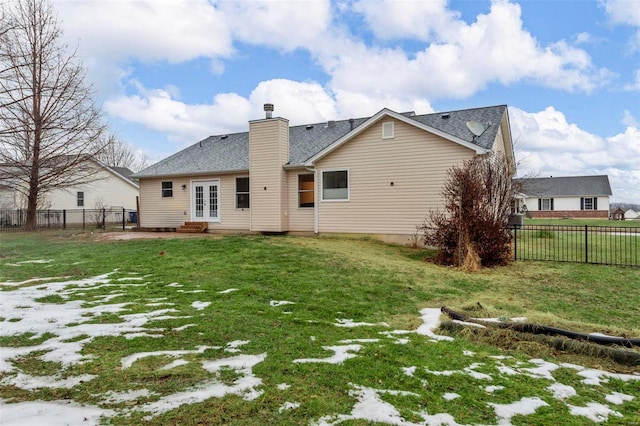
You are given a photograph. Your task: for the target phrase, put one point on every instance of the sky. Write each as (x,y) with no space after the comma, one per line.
(170,73)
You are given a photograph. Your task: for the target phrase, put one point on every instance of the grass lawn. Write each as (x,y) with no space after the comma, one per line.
(258,330)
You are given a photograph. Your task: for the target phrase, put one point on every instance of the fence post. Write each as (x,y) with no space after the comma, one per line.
(515,243)
(83,220)
(586,244)
(104,218)
(64,219)
(123,220)
(48,218)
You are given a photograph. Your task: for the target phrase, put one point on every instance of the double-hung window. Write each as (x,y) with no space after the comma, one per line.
(167,189)
(545,204)
(242,193)
(80,199)
(335,185)
(589,203)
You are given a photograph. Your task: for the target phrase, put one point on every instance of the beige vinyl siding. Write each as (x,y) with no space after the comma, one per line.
(156,211)
(414,160)
(268,152)
(300,219)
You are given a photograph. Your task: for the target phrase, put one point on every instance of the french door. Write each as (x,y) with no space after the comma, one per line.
(204,201)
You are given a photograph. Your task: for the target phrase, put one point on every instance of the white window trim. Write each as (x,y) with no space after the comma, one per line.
(592,203)
(235,182)
(388,125)
(315,201)
(548,199)
(163,189)
(340,169)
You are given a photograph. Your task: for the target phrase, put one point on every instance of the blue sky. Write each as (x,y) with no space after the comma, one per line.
(171,72)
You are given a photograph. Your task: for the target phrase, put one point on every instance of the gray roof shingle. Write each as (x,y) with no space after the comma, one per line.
(570,186)
(227,153)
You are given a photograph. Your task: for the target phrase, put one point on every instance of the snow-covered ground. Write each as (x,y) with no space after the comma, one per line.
(69,323)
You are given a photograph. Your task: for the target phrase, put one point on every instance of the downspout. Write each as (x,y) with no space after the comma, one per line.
(316,204)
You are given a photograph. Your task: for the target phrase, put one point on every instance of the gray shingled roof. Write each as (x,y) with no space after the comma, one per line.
(571,186)
(227,153)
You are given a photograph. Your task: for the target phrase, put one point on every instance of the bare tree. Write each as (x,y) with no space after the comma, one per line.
(120,154)
(474,229)
(49,124)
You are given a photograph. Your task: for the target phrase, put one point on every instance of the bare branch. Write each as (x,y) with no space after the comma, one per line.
(50,126)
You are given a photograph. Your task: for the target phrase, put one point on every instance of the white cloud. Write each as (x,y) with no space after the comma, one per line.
(548,145)
(635,85)
(624,12)
(147,30)
(390,19)
(464,59)
(278,24)
(629,120)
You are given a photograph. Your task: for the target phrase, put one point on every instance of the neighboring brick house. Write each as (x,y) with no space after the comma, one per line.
(565,197)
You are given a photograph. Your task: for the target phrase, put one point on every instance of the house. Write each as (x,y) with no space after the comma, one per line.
(617,214)
(107,187)
(378,175)
(631,214)
(565,197)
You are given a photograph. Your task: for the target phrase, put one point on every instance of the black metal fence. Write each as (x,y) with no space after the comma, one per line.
(608,245)
(111,218)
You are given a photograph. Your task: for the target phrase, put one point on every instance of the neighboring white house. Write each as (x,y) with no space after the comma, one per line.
(565,197)
(109,187)
(631,214)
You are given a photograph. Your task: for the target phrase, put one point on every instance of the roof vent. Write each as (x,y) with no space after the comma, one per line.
(224,136)
(309,127)
(351,120)
(445,115)
(268,109)
(331,123)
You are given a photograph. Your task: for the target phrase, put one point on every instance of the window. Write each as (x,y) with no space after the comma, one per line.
(387,130)
(306,190)
(167,189)
(545,203)
(80,198)
(335,185)
(242,193)
(588,203)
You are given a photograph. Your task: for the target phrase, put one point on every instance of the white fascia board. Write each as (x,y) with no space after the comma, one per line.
(389,113)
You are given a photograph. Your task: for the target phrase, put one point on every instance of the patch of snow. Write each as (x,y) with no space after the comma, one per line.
(130,395)
(524,407)
(32,280)
(244,387)
(229,290)
(492,389)
(52,413)
(183,327)
(618,398)
(450,396)
(341,354)
(233,346)
(431,321)
(561,392)
(597,377)
(288,406)
(276,303)
(28,382)
(409,371)
(359,340)
(468,353)
(469,324)
(191,291)
(24,262)
(200,305)
(543,370)
(283,386)
(369,407)
(349,323)
(174,285)
(594,411)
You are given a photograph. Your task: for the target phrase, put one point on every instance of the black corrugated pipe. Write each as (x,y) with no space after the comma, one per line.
(546,330)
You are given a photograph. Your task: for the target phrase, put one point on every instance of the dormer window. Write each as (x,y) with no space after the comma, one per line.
(388,130)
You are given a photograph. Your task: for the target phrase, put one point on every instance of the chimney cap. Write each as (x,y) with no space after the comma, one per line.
(268,107)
